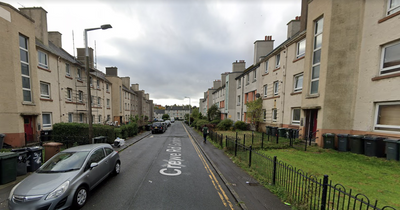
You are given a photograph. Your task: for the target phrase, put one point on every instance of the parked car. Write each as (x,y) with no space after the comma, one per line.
(165,124)
(158,127)
(65,180)
(172,120)
(168,122)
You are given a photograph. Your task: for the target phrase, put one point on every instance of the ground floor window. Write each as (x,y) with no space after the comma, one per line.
(274,115)
(296,116)
(46,120)
(387,117)
(70,117)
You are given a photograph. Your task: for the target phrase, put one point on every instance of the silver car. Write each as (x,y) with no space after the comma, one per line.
(65,180)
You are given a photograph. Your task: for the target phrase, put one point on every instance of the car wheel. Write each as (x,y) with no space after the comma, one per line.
(117,168)
(80,197)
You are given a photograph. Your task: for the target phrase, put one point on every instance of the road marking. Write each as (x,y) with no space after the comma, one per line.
(224,198)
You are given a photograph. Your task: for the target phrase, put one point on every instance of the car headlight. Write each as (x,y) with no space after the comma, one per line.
(59,191)
(12,191)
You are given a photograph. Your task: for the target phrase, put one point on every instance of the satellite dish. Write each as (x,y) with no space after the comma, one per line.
(257,95)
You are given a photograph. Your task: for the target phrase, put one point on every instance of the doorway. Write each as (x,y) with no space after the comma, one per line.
(311,123)
(28,129)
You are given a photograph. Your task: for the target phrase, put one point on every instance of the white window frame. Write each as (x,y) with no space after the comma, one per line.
(315,49)
(265,90)
(80,96)
(45,63)
(390,69)
(296,121)
(276,88)
(47,124)
(67,70)
(238,98)
(98,84)
(300,52)
(45,95)
(99,119)
(376,125)
(296,87)
(238,115)
(247,79)
(393,8)
(107,87)
(27,77)
(79,74)
(274,115)
(255,75)
(264,115)
(69,94)
(81,117)
(277,61)
(70,117)
(108,103)
(239,83)
(266,67)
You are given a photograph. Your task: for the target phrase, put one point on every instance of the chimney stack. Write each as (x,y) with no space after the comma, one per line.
(262,48)
(293,27)
(112,71)
(55,38)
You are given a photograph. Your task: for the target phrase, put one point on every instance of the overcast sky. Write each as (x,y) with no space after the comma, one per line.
(171,48)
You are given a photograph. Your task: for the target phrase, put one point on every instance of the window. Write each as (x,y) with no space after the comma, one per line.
(248,79)
(42,59)
(98,101)
(238,116)
(238,103)
(107,87)
(81,117)
(80,96)
(277,61)
(298,83)
(46,120)
(254,75)
(25,72)
(266,67)
(98,84)
(79,74)
(316,60)
(97,156)
(99,118)
(393,6)
(274,115)
(264,115)
(92,102)
(70,117)
(239,83)
(69,94)
(390,58)
(296,116)
(108,103)
(91,81)
(387,117)
(67,70)
(301,48)
(44,90)
(265,90)
(276,87)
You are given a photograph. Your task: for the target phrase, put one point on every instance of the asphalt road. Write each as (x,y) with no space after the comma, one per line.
(163,171)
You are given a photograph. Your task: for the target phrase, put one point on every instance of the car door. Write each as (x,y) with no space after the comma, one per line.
(98,173)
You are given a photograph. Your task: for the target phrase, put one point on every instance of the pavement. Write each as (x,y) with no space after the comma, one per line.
(248,193)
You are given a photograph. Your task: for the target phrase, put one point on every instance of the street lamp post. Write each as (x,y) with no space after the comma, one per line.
(89,97)
(189,108)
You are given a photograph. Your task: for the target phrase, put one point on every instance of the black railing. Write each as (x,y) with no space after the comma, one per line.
(303,190)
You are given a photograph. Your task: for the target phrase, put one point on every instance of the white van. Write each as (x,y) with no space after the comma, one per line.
(172,119)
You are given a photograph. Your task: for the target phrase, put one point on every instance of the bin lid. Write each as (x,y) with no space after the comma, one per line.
(19,150)
(356,136)
(328,134)
(2,135)
(373,138)
(53,144)
(342,135)
(7,155)
(37,148)
(392,140)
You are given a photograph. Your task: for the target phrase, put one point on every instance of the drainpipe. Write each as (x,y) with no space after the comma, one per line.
(59,87)
(284,84)
(242,114)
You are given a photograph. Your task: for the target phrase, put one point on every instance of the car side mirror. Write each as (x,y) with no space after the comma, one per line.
(92,165)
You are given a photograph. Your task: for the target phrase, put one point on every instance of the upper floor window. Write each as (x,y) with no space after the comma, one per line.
(98,84)
(107,87)
(239,83)
(248,78)
(390,58)
(67,70)
(254,75)
(265,90)
(238,99)
(316,59)
(276,87)
(266,67)
(25,71)
(44,90)
(80,96)
(387,117)
(42,59)
(301,48)
(393,6)
(277,61)
(98,101)
(108,103)
(80,117)
(264,115)
(79,74)
(69,94)
(298,83)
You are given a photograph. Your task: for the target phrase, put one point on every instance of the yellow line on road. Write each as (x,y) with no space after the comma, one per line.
(224,198)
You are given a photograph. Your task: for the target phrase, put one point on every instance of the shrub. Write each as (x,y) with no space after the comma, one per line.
(70,133)
(201,123)
(216,121)
(225,124)
(240,125)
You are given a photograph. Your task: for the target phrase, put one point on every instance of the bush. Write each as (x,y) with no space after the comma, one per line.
(240,125)
(216,121)
(200,123)
(77,133)
(225,124)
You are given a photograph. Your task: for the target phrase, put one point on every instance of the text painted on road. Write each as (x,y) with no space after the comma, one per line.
(174,163)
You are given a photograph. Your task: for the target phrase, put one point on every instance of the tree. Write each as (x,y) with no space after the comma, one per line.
(213,113)
(165,116)
(254,112)
(195,113)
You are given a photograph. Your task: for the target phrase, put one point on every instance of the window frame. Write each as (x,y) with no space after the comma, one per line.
(265,88)
(316,48)
(238,98)
(376,117)
(295,82)
(392,69)
(392,10)
(80,96)
(295,121)
(79,74)
(81,117)
(69,94)
(266,67)
(274,115)
(255,75)
(25,97)
(48,96)
(299,53)
(47,125)
(70,117)
(276,88)
(264,115)
(67,70)
(277,61)
(46,59)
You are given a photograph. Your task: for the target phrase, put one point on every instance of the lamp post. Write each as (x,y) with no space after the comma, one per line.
(189,108)
(89,100)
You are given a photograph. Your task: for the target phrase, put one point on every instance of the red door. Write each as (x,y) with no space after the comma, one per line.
(28,127)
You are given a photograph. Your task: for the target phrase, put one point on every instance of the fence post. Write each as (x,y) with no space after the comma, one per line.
(222,139)
(244,139)
(250,148)
(235,147)
(324,192)
(252,137)
(274,171)
(226,142)
(277,137)
(262,140)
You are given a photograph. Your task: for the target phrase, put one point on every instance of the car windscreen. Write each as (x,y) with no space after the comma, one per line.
(157,124)
(64,162)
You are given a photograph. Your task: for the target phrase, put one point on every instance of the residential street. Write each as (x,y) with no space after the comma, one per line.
(163,171)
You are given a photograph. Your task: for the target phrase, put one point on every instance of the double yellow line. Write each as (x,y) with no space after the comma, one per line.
(222,195)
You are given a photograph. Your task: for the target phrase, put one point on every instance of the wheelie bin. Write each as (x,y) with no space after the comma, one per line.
(356,144)
(8,167)
(374,146)
(34,159)
(343,143)
(2,140)
(329,140)
(50,149)
(392,149)
(21,161)
(274,131)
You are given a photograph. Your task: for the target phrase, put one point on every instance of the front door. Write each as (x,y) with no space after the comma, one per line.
(28,128)
(311,123)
